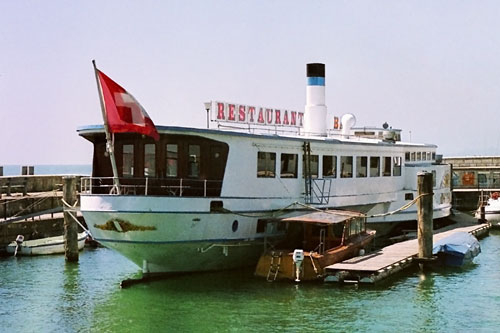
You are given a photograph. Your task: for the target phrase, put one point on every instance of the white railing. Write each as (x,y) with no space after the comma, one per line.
(179,187)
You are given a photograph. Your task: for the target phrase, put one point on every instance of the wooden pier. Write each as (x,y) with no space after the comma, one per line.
(378,265)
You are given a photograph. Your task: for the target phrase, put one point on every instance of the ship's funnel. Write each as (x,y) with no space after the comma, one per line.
(315,112)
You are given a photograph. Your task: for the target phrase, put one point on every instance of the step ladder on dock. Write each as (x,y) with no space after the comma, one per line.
(274,266)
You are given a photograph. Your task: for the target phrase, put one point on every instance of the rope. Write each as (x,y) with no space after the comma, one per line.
(71,210)
(41,194)
(271,214)
(30,206)
(280,211)
(404,207)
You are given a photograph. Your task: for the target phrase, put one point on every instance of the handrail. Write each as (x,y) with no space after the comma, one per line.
(147,186)
(32,215)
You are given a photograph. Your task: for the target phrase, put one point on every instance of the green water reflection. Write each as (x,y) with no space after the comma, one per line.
(48,295)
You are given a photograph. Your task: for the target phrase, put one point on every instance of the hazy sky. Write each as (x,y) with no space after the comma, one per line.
(429,67)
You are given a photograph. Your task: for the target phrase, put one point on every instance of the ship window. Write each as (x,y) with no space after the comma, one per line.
(330,166)
(419,156)
(412,156)
(266,164)
(355,227)
(289,165)
(345,166)
(407,156)
(482,178)
(396,171)
(429,156)
(424,156)
(433,156)
(194,161)
(408,196)
(172,159)
(313,166)
(361,166)
(261,226)
(386,166)
(128,161)
(496,178)
(149,160)
(374,166)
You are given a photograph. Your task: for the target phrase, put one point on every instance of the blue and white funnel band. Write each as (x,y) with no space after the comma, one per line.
(316,81)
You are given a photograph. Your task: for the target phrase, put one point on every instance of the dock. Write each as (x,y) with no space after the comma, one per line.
(390,260)
(30,205)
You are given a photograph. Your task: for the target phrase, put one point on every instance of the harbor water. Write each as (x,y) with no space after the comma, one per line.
(46,294)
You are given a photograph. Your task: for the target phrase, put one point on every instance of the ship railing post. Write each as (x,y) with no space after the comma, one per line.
(205,188)
(180,188)
(70,226)
(146,187)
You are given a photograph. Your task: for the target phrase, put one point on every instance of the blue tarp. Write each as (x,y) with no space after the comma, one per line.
(458,248)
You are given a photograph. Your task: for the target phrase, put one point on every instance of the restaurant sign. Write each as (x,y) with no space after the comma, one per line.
(246,114)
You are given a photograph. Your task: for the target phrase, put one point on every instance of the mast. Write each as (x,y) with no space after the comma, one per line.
(109,141)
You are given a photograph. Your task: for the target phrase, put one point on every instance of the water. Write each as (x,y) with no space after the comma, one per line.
(50,169)
(45,294)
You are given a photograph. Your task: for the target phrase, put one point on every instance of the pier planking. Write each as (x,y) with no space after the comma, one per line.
(375,266)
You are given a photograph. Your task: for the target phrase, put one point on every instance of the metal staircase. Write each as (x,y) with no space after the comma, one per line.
(317,190)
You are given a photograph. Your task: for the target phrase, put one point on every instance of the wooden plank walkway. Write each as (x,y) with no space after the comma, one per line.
(375,266)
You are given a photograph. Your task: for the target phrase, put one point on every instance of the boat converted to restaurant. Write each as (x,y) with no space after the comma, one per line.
(211,199)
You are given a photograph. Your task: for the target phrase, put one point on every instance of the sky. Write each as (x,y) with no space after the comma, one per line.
(430,68)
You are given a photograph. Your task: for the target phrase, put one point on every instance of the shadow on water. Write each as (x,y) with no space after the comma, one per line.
(86,297)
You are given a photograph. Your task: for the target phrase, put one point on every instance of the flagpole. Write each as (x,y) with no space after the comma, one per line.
(109,142)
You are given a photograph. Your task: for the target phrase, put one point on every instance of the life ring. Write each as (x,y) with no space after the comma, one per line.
(495,195)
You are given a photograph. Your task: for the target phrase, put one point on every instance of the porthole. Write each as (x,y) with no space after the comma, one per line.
(235,225)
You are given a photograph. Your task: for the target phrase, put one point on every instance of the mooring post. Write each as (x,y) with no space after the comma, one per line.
(70,226)
(482,214)
(424,214)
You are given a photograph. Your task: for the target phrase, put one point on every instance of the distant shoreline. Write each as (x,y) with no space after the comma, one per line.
(50,169)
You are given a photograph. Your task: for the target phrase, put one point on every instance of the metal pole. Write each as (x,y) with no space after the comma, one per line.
(109,142)
(208,118)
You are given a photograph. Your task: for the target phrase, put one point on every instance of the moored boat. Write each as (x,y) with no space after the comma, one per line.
(42,246)
(457,249)
(191,199)
(315,240)
(491,209)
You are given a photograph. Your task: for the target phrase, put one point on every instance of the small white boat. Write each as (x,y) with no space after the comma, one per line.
(49,245)
(491,209)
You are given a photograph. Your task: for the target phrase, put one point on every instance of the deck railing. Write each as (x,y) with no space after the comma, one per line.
(176,187)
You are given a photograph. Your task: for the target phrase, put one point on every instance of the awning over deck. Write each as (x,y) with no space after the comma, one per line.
(326,217)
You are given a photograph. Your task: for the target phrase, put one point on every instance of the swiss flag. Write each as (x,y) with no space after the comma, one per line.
(123,112)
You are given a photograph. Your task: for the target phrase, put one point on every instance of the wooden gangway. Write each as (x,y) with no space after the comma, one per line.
(380,264)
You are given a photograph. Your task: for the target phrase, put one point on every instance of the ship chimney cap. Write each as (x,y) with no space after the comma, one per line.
(316,70)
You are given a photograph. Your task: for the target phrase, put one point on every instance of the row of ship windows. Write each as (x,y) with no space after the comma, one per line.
(420,156)
(366,166)
(172,150)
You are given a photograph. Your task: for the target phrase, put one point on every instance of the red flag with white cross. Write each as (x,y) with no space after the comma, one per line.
(123,112)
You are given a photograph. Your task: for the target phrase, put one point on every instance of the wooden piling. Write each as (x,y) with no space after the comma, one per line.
(70,226)
(424,214)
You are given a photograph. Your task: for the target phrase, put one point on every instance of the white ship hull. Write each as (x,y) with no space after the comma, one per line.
(173,234)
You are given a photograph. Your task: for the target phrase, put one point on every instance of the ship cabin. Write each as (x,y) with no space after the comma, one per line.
(185,163)
(176,165)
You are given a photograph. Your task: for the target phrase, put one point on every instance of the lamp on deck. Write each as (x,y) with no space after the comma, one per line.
(208,106)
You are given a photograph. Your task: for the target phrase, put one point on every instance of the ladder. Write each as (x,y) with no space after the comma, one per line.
(274,267)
